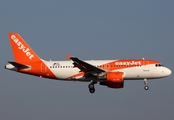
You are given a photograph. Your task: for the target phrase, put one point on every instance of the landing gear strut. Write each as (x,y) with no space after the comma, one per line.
(91,87)
(145,83)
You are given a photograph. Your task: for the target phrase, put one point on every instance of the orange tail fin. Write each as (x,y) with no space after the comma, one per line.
(22,52)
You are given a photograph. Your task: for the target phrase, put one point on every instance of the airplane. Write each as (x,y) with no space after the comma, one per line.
(110,73)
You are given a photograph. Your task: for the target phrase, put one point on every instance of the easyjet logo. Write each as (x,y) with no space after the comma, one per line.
(22,47)
(128,63)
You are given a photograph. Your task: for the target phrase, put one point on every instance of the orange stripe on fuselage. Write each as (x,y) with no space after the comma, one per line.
(120,64)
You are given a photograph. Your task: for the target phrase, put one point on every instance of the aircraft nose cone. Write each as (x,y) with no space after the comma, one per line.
(168,72)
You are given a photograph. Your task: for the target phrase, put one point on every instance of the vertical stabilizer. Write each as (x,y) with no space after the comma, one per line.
(21,50)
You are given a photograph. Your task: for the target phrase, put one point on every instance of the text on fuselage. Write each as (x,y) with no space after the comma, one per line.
(129,63)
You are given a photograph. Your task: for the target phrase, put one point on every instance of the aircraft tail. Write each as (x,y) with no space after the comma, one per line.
(21,50)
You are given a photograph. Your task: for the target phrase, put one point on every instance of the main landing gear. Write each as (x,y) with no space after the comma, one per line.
(145,83)
(91,87)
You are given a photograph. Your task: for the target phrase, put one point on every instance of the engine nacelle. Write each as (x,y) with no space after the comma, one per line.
(114,76)
(114,80)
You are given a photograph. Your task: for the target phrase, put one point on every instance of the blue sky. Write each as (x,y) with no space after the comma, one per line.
(93,29)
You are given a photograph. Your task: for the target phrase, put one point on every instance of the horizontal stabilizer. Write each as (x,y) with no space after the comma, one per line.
(18,65)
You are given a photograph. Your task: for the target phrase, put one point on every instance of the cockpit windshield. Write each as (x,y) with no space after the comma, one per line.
(159,65)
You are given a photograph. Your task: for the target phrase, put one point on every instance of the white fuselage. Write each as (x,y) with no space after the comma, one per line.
(64,69)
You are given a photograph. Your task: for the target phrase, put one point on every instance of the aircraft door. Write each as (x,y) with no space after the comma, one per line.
(43,68)
(146,66)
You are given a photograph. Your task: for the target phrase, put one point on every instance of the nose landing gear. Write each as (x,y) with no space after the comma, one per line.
(145,83)
(146,87)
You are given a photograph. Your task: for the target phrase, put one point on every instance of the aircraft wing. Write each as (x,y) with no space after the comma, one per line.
(84,66)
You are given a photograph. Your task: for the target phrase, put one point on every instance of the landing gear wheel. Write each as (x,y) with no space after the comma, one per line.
(92,90)
(146,87)
(91,86)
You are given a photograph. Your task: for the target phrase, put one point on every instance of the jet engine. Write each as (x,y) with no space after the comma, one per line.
(114,79)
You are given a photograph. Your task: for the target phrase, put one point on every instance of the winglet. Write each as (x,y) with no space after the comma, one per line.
(68,57)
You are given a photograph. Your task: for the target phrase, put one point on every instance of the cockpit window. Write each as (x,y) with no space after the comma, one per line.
(158,65)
